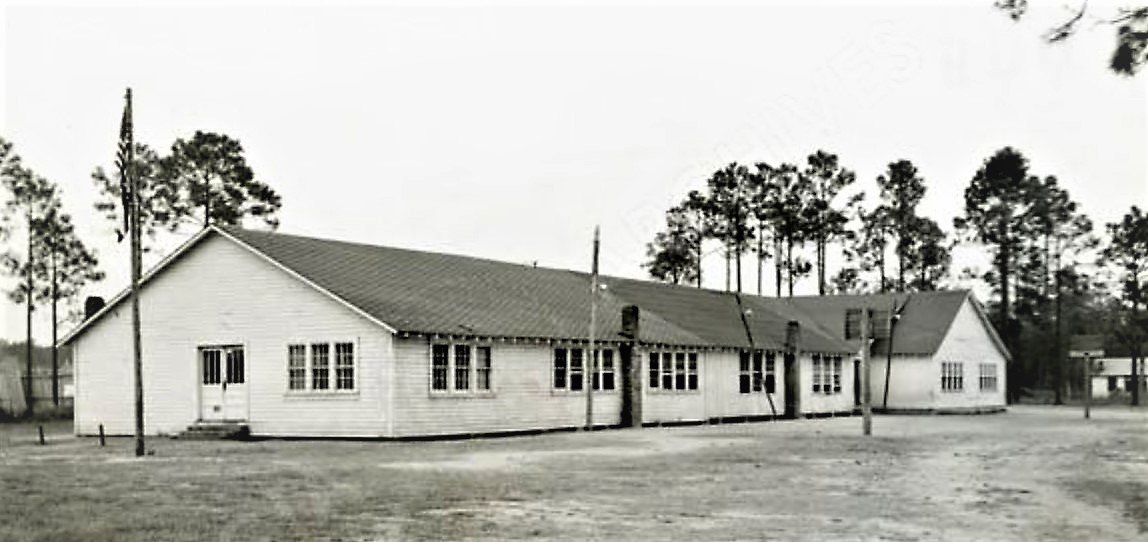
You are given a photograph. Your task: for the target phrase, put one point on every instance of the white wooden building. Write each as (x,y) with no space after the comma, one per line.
(295,336)
(1113,376)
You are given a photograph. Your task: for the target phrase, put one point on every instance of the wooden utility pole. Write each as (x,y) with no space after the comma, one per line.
(593,354)
(1087,347)
(1087,386)
(866,395)
(129,185)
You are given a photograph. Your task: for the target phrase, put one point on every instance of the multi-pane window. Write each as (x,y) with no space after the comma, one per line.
(756,372)
(674,371)
(655,369)
(483,369)
(952,376)
(320,366)
(571,364)
(604,370)
(988,377)
(461,368)
(311,367)
(826,374)
(344,366)
(296,367)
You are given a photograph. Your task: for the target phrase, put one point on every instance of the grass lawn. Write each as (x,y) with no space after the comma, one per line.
(1034,473)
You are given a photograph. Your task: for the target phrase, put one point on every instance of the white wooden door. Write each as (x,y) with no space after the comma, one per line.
(223,383)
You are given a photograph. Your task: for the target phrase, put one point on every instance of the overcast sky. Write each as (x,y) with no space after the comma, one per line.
(508,132)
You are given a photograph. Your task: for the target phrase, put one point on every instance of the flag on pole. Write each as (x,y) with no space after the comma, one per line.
(124,163)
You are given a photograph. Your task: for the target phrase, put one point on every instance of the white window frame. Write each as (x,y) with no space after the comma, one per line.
(332,347)
(952,376)
(595,366)
(453,348)
(680,377)
(988,377)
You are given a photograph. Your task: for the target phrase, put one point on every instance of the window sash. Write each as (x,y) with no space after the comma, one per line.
(296,367)
(655,368)
(577,372)
(692,371)
(344,366)
(484,369)
(320,366)
(816,373)
(440,362)
(559,368)
(667,371)
(462,367)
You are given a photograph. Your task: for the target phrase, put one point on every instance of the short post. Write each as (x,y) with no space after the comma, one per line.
(1087,386)
(42,435)
(103,442)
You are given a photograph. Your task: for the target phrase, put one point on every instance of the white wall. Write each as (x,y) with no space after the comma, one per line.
(723,392)
(522,397)
(220,293)
(916,382)
(820,403)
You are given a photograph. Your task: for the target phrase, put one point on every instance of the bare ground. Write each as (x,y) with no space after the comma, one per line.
(1034,473)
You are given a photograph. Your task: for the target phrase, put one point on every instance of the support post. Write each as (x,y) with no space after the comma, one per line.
(866,395)
(593,353)
(103,441)
(1087,386)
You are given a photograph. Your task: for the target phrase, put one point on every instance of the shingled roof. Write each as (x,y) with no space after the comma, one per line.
(925,317)
(419,292)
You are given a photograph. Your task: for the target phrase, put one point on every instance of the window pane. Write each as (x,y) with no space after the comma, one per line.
(344,366)
(559,368)
(816,373)
(461,367)
(235,372)
(320,366)
(667,371)
(770,373)
(692,371)
(211,372)
(758,371)
(655,372)
(440,358)
(482,376)
(607,369)
(296,367)
(680,371)
(577,375)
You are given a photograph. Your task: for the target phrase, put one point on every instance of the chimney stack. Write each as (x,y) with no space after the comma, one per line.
(92,305)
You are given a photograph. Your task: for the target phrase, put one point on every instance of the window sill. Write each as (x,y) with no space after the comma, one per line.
(462,394)
(660,391)
(580,393)
(326,394)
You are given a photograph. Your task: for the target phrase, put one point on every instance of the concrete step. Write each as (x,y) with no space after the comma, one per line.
(215,431)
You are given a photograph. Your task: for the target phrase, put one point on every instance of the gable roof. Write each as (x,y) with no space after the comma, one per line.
(926,317)
(410,291)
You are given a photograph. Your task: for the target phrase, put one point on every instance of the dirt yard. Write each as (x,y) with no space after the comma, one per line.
(1034,473)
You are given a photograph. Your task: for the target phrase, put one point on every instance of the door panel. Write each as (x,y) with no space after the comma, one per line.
(223,383)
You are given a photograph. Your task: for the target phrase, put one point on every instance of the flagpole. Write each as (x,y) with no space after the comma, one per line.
(130,184)
(593,357)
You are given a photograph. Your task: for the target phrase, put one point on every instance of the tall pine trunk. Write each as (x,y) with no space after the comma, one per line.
(777,263)
(727,268)
(760,257)
(30,291)
(789,264)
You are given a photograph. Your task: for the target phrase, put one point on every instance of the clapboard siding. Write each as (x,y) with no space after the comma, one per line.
(220,293)
(820,402)
(522,397)
(723,390)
